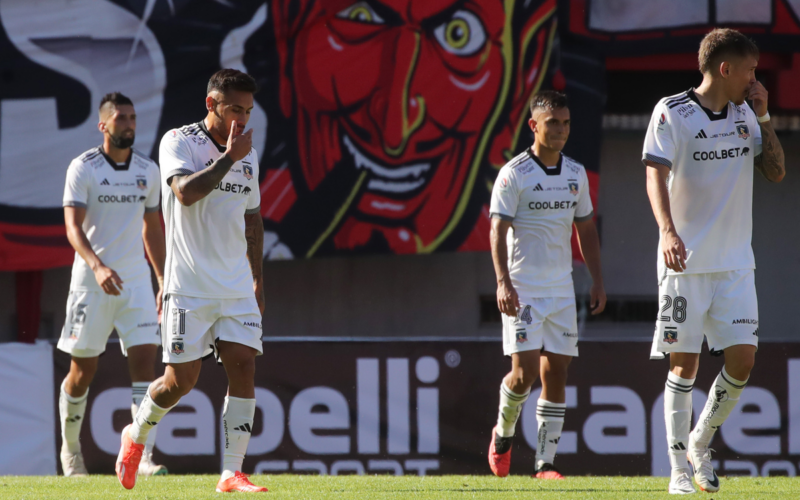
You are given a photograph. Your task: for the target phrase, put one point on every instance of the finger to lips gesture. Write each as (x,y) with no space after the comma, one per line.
(239,145)
(759,95)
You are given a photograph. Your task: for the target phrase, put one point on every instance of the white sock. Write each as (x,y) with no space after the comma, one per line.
(550,417)
(139,390)
(510,408)
(71,411)
(678,417)
(237,422)
(722,399)
(146,418)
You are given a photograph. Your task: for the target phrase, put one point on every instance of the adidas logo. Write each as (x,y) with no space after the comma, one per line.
(244,428)
(556,440)
(209,162)
(701,135)
(74,419)
(538,188)
(105,183)
(678,447)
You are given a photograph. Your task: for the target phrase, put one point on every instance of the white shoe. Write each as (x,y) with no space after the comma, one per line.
(72,464)
(700,458)
(681,482)
(148,468)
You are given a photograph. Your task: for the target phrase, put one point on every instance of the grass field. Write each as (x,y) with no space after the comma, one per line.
(389,487)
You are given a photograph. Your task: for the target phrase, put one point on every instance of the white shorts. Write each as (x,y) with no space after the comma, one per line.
(191,326)
(550,323)
(91,317)
(722,306)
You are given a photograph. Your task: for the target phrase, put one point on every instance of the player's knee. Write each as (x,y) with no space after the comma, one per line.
(523,377)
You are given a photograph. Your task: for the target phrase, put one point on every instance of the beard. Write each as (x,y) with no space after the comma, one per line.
(121,142)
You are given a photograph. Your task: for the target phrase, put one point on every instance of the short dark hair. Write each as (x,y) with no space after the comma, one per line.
(722,43)
(548,99)
(115,98)
(231,79)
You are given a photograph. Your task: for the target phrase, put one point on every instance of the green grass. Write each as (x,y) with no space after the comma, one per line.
(389,487)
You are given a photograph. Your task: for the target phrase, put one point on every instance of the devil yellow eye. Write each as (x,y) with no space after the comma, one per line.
(463,34)
(361,12)
(456,33)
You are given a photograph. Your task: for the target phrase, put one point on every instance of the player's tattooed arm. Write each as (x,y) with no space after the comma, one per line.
(771,162)
(254,234)
(190,189)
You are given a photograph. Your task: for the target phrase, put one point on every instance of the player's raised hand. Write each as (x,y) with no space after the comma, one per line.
(108,279)
(507,298)
(598,299)
(239,145)
(759,95)
(674,251)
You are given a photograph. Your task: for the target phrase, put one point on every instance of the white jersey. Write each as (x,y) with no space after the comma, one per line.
(541,203)
(711,181)
(116,197)
(206,246)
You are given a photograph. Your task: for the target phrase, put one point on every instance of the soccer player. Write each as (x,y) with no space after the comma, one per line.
(539,195)
(111,200)
(700,150)
(213,298)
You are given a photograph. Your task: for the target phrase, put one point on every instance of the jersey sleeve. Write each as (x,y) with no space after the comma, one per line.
(151,204)
(175,156)
(505,196)
(584,211)
(254,198)
(659,145)
(76,188)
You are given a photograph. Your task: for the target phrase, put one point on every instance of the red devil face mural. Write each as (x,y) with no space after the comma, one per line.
(408,100)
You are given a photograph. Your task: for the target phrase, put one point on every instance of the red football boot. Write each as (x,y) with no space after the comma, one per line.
(500,463)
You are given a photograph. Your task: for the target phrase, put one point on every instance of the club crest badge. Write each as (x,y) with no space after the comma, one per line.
(662,120)
(670,335)
(522,336)
(177,348)
(573,188)
(248,172)
(141,184)
(743,131)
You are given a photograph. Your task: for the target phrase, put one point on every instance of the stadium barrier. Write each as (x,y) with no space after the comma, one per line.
(429,407)
(404,408)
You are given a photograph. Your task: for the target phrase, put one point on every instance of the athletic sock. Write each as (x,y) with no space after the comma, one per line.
(237,422)
(722,399)
(139,391)
(550,417)
(146,418)
(71,412)
(678,417)
(510,408)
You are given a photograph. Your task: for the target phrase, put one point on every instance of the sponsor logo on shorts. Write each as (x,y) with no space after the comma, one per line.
(522,336)
(670,334)
(567,334)
(147,325)
(745,322)
(252,324)
(177,348)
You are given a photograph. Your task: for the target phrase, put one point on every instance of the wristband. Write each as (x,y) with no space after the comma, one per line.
(765,118)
